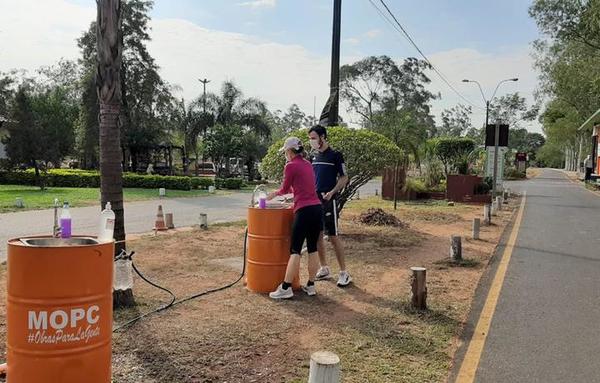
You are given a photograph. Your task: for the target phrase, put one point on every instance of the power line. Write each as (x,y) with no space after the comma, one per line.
(399,28)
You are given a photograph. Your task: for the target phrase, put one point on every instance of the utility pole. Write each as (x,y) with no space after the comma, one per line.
(334,84)
(204,82)
(496,144)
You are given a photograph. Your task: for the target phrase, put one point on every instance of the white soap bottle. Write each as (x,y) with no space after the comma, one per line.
(107,224)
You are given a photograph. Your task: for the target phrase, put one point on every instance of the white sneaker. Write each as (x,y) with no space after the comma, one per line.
(282,293)
(323,273)
(344,279)
(309,290)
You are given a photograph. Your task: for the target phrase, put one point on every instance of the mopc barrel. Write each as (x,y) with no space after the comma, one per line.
(59,310)
(269,239)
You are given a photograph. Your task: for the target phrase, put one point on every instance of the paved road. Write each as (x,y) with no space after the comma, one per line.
(546,323)
(139,216)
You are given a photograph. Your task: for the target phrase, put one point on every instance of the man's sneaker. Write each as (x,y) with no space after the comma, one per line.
(323,273)
(309,290)
(282,293)
(344,279)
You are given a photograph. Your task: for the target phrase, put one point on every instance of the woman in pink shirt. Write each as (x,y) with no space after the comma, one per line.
(299,178)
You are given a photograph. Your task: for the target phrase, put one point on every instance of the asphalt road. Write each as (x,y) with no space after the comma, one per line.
(546,324)
(139,216)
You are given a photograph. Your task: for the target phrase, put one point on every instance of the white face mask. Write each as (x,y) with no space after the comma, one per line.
(315,144)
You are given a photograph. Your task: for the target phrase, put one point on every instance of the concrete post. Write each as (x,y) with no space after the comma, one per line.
(324,368)
(476,226)
(456,248)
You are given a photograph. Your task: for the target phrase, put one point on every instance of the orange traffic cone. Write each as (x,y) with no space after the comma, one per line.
(159,224)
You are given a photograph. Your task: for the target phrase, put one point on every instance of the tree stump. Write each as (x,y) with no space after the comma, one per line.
(324,368)
(476,226)
(419,288)
(456,248)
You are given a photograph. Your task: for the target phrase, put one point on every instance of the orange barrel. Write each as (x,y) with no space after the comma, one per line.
(269,239)
(59,310)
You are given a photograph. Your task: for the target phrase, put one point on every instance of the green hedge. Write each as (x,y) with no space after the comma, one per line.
(202,182)
(91,179)
(229,183)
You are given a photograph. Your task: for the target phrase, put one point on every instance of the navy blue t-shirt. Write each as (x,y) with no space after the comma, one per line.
(328,166)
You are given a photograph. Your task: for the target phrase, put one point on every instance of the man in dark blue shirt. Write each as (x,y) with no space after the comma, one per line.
(330,177)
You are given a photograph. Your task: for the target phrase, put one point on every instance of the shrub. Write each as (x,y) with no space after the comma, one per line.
(513,173)
(482,188)
(229,183)
(416,185)
(366,154)
(91,179)
(201,182)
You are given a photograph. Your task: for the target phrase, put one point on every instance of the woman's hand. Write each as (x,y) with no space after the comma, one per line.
(271,195)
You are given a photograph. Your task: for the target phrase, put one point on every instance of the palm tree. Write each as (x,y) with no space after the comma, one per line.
(230,109)
(108,82)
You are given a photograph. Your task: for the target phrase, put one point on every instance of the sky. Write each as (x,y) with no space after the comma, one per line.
(279,50)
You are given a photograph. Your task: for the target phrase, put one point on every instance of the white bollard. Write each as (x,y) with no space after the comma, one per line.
(494,208)
(324,367)
(203,221)
(162,192)
(211,189)
(476,226)
(487,214)
(19,202)
(499,203)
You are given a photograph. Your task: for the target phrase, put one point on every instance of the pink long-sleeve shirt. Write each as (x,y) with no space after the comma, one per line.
(299,178)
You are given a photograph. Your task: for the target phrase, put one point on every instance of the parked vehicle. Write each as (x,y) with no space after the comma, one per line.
(207,169)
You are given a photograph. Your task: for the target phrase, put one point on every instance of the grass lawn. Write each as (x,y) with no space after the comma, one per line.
(35,199)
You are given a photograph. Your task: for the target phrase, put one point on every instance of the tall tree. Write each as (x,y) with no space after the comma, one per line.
(146,99)
(378,83)
(456,121)
(234,113)
(108,77)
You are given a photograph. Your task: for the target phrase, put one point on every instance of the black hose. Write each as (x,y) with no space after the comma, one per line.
(224,287)
(173,298)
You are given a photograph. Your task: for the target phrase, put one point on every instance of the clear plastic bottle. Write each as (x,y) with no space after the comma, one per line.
(107,224)
(65,221)
(123,274)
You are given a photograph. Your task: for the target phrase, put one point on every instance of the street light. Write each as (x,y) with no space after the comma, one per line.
(497,130)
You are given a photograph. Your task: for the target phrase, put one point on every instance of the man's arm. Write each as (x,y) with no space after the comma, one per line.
(342,180)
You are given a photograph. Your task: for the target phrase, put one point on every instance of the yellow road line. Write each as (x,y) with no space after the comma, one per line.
(470,362)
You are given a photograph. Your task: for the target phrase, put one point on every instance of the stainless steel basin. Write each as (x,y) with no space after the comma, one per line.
(59,242)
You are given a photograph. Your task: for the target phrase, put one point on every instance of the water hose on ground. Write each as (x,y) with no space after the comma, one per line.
(173,301)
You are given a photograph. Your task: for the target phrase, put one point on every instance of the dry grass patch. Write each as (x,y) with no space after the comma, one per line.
(239,336)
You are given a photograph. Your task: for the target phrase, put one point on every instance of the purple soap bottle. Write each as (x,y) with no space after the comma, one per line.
(65,221)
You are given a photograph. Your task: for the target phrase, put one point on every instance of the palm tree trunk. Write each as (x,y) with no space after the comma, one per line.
(108,81)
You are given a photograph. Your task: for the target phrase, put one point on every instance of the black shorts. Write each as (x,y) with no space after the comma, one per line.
(307,226)
(330,216)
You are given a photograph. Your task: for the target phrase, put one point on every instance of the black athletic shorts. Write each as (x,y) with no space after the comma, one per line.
(330,216)
(307,226)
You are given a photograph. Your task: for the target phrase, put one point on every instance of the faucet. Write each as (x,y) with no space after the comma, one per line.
(56,228)
(256,189)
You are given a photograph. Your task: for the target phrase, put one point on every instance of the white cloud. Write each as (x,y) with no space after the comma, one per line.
(259,3)
(36,33)
(278,73)
(374,33)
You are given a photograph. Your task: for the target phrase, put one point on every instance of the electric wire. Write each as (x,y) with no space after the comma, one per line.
(400,28)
